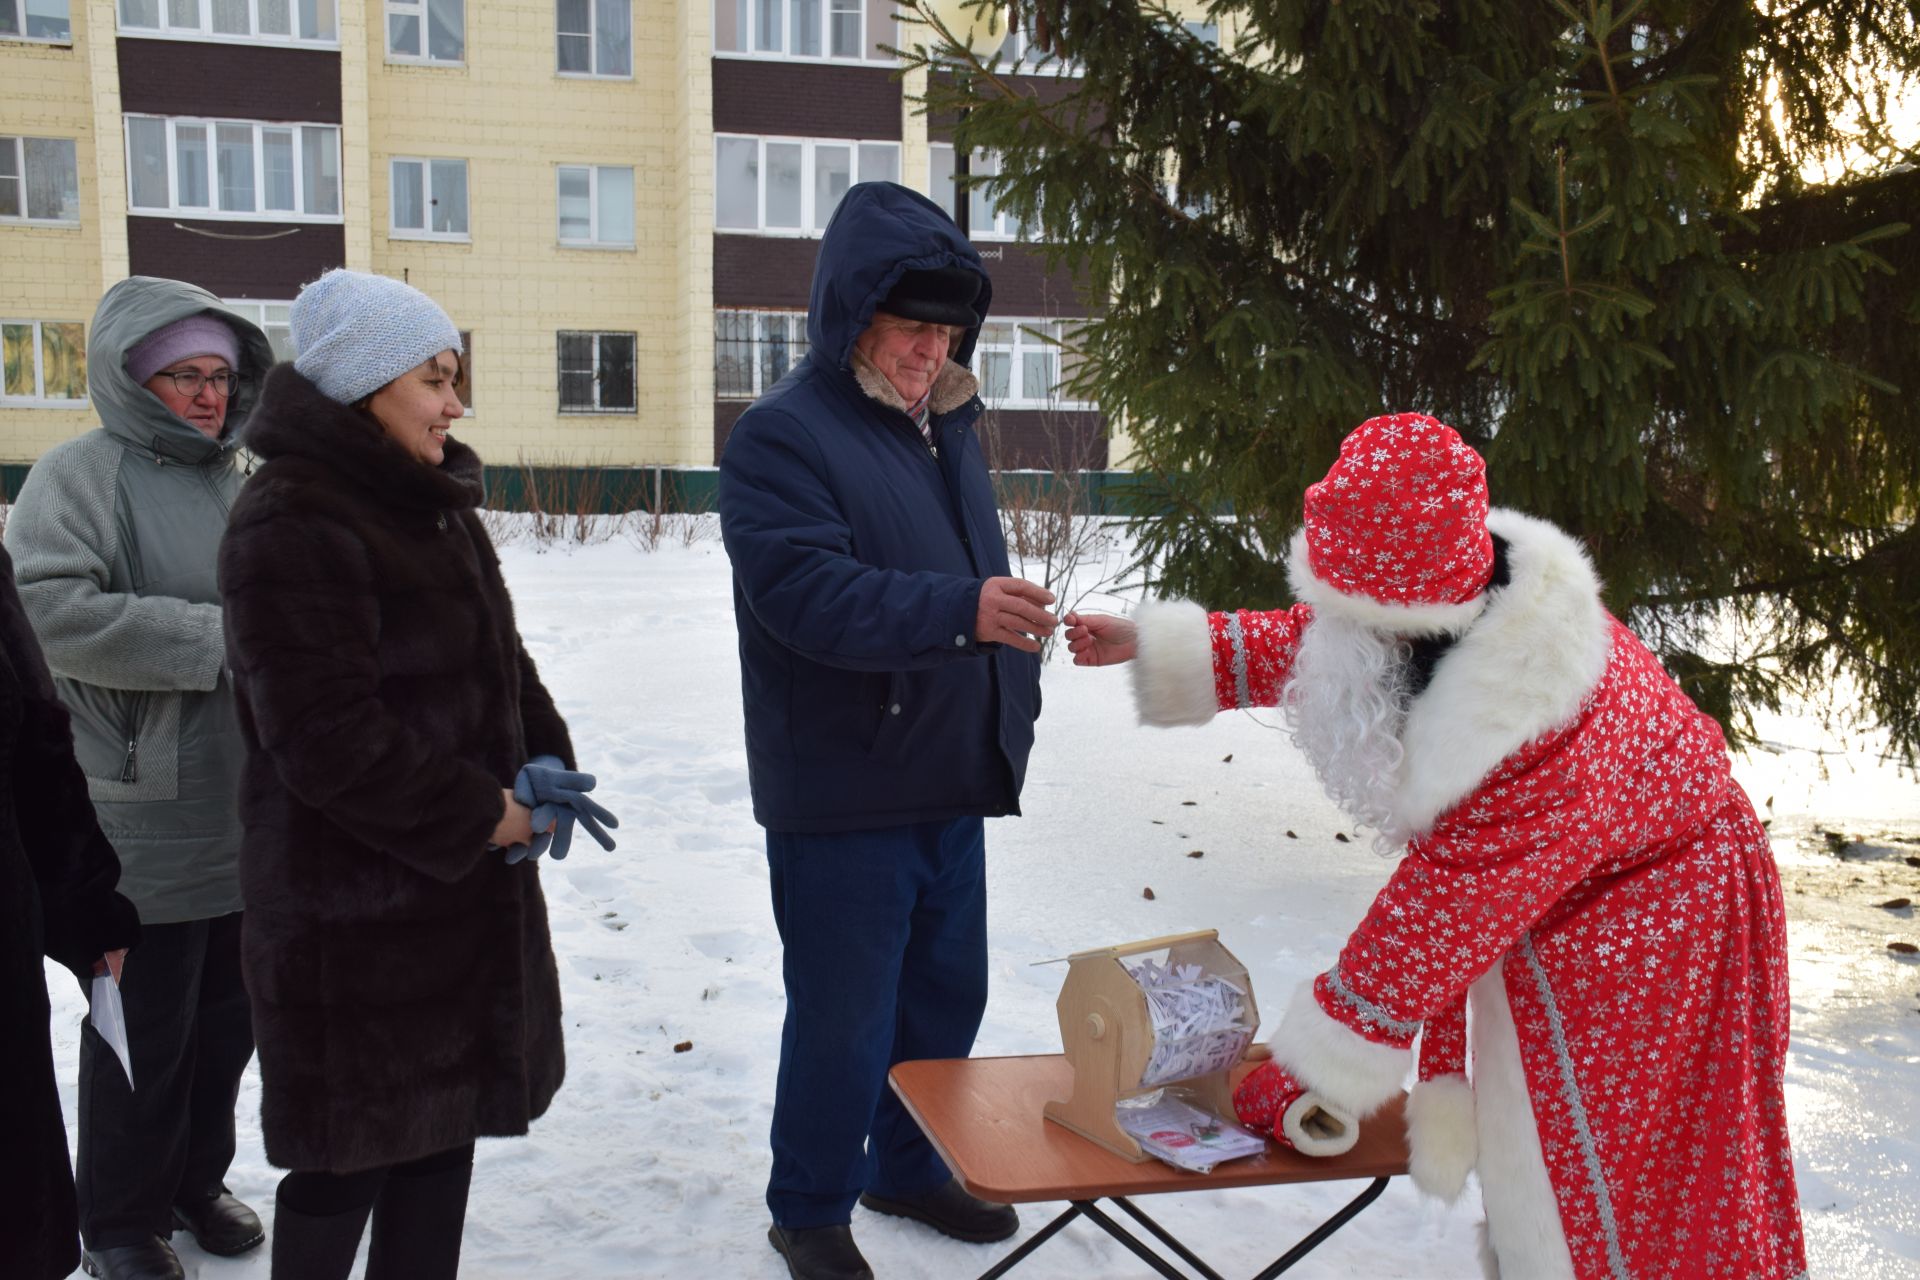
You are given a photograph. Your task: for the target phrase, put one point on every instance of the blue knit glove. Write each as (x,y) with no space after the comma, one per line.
(558,797)
(521,852)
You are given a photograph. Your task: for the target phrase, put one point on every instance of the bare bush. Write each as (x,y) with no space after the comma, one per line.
(657,524)
(1053,534)
(504,528)
(568,503)
(574,505)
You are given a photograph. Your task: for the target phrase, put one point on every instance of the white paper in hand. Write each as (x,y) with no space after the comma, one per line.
(110,1020)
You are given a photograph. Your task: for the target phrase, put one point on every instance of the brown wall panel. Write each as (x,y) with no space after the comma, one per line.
(725,414)
(1048,89)
(1023,286)
(1044,439)
(206,253)
(237,81)
(777,272)
(804,100)
(763,271)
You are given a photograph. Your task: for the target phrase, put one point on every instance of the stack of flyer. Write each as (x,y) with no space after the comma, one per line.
(1183,1135)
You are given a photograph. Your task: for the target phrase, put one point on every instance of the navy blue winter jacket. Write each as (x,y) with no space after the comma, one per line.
(858,554)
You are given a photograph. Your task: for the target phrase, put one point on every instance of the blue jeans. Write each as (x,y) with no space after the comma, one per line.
(885,937)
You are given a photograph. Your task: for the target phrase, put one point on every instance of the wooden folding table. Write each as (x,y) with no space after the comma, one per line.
(984,1117)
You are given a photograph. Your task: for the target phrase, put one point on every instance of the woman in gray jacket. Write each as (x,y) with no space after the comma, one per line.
(114,538)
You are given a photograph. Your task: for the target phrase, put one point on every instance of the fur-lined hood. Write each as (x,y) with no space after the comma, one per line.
(1523,668)
(952,387)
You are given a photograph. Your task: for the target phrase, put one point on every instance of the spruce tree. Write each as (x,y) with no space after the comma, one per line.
(1582,233)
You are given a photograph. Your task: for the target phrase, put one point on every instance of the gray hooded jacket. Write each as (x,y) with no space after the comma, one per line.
(114,539)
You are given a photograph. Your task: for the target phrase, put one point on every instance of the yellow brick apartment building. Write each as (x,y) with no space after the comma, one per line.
(619,201)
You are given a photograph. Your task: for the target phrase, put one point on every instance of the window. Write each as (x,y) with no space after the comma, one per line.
(266,21)
(596,205)
(233,168)
(986,220)
(39,180)
(1019,54)
(1021,366)
(846,30)
(791,186)
(47,20)
(596,372)
(752,350)
(272,319)
(595,37)
(45,362)
(426,31)
(427,199)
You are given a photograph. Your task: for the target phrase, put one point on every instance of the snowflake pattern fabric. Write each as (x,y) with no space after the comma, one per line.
(1261,1099)
(1622,874)
(1401,517)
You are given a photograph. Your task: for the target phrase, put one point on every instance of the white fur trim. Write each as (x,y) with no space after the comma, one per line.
(1316,1127)
(1523,1217)
(1356,1075)
(1489,1263)
(1523,669)
(1404,619)
(1440,1133)
(1173,670)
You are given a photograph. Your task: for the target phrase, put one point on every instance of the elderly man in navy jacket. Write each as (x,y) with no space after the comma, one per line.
(890,683)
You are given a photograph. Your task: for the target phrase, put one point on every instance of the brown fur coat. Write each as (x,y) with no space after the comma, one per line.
(403,984)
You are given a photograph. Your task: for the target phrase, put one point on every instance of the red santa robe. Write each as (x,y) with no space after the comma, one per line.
(1583,870)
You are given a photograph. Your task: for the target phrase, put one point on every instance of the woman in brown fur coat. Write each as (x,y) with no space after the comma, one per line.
(403,985)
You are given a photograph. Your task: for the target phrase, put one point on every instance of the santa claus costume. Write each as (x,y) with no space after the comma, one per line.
(1581,870)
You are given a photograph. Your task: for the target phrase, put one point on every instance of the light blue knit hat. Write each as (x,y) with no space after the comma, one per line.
(353,333)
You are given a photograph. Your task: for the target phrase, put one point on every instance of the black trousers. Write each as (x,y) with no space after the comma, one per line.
(321,1194)
(170,1138)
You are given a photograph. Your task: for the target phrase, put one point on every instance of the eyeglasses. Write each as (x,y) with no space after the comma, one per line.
(188,382)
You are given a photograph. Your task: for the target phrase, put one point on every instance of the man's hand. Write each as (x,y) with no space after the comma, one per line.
(1013,612)
(1101,639)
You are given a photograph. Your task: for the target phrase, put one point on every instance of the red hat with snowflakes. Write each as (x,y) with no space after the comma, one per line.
(1396,534)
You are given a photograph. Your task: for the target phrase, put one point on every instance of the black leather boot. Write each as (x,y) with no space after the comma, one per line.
(151,1259)
(820,1253)
(952,1211)
(220,1223)
(417,1224)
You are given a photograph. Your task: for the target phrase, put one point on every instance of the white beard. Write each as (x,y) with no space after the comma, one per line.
(1345,703)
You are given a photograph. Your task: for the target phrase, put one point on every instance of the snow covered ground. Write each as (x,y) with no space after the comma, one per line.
(651,1162)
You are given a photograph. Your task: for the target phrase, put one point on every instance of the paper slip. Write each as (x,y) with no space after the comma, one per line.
(1201,1023)
(110,1021)
(1184,1136)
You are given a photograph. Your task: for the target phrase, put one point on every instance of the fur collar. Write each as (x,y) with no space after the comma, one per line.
(295,418)
(1523,668)
(953,387)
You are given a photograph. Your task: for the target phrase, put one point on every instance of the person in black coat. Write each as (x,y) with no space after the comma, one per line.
(405,999)
(890,685)
(57,900)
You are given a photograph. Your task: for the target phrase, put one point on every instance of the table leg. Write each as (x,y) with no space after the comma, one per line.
(1318,1235)
(1128,1239)
(1039,1238)
(1093,1214)
(1165,1237)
